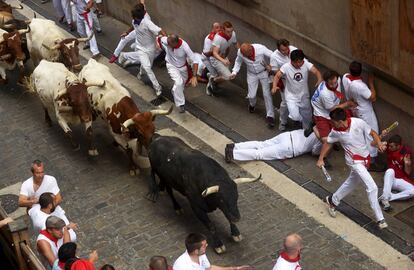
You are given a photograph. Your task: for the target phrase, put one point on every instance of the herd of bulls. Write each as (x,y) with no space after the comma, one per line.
(93,92)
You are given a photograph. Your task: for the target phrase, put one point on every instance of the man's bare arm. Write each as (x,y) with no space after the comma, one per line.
(44,248)
(25,201)
(318,75)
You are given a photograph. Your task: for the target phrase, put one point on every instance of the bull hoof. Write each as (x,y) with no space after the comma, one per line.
(152,197)
(237,238)
(93,152)
(220,250)
(179,211)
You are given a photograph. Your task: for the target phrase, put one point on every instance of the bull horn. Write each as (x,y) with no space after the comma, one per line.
(5,56)
(17,7)
(24,31)
(126,124)
(210,190)
(55,47)
(247,179)
(90,84)
(87,38)
(63,109)
(162,112)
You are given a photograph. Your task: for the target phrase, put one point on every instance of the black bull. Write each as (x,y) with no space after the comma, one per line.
(201,179)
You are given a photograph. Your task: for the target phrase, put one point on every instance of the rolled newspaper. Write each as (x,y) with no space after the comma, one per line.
(327,176)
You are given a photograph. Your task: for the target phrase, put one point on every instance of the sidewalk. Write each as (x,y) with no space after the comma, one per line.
(228,115)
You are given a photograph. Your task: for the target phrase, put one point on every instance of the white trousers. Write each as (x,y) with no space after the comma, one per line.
(278,147)
(63,8)
(300,110)
(207,64)
(253,84)
(146,59)
(283,110)
(85,28)
(359,173)
(371,119)
(179,76)
(406,190)
(123,42)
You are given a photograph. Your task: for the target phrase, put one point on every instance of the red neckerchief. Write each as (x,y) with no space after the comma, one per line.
(211,35)
(61,265)
(285,256)
(49,236)
(223,35)
(253,56)
(170,268)
(353,78)
(180,42)
(337,93)
(344,129)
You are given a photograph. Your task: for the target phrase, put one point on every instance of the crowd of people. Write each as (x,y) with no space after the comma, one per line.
(340,111)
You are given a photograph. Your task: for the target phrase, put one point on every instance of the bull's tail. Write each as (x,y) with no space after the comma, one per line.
(28,83)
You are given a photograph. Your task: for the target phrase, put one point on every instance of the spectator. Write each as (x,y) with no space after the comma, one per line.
(159,263)
(66,252)
(107,267)
(195,256)
(38,184)
(82,264)
(5,221)
(46,207)
(51,239)
(290,255)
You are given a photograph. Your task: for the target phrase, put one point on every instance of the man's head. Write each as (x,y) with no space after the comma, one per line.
(67,251)
(47,201)
(355,68)
(339,118)
(107,267)
(394,143)
(196,243)
(331,79)
(173,40)
(158,263)
(37,170)
(54,226)
(216,27)
(297,58)
(283,46)
(247,50)
(138,12)
(228,28)
(293,244)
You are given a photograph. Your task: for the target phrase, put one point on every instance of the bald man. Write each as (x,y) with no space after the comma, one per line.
(290,255)
(255,56)
(208,52)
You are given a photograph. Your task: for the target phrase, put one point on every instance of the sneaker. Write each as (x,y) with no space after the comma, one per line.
(113,59)
(181,109)
(251,109)
(228,152)
(331,206)
(209,86)
(382,224)
(86,46)
(282,127)
(386,206)
(270,122)
(96,56)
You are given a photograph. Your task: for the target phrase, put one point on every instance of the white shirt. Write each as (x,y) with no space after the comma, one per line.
(302,145)
(48,184)
(255,66)
(277,59)
(354,140)
(282,264)
(346,82)
(80,5)
(178,56)
(296,85)
(324,100)
(223,44)
(38,217)
(146,32)
(208,43)
(360,93)
(53,247)
(184,262)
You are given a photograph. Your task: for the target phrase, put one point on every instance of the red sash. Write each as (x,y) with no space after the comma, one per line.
(367,159)
(49,236)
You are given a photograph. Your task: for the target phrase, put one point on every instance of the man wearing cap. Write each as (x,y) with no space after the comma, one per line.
(51,239)
(290,255)
(38,184)
(256,56)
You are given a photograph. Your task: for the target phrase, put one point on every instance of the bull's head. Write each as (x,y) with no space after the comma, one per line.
(77,96)
(226,196)
(141,125)
(14,44)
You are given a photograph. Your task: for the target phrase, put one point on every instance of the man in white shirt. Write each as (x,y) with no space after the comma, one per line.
(364,96)
(255,56)
(208,52)
(296,89)
(194,258)
(278,58)
(351,134)
(46,207)
(176,53)
(39,183)
(84,24)
(220,50)
(290,255)
(285,145)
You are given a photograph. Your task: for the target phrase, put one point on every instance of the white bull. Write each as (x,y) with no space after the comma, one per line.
(114,104)
(47,41)
(62,93)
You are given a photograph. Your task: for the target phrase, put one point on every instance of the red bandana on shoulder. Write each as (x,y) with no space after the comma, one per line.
(211,35)
(285,256)
(353,78)
(223,35)
(49,236)
(344,129)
